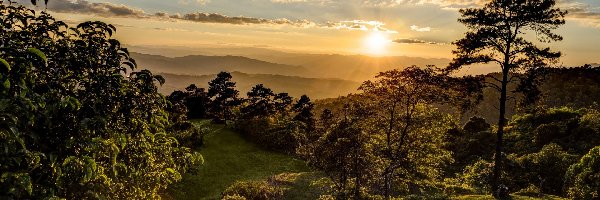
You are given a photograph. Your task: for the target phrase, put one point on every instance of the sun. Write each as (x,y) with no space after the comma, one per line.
(376,43)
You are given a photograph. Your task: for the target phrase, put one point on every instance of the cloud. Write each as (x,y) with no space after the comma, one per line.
(118,10)
(414,41)
(362,25)
(188,2)
(420,29)
(86,7)
(314,2)
(583,13)
(442,3)
(219,18)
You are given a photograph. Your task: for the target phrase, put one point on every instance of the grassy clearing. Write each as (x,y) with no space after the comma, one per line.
(229,157)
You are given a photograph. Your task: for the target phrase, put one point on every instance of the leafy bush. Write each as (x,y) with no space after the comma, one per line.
(470,143)
(234,197)
(277,133)
(188,134)
(457,190)
(583,178)
(544,169)
(427,197)
(255,190)
(73,122)
(478,176)
(574,130)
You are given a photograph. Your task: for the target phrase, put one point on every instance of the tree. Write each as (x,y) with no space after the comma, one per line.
(303,108)
(74,123)
(197,102)
(283,102)
(343,150)
(403,99)
(496,34)
(260,102)
(223,96)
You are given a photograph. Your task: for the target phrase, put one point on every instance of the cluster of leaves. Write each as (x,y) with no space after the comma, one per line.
(472,142)
(255,190)
(541,149)
(583,178)
(73,122)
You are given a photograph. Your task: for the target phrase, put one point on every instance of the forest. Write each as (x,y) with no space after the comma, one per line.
(79,119)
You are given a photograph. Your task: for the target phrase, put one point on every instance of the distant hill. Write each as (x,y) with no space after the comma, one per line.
(202,65)
(315,88)
(350,67)
(266,61)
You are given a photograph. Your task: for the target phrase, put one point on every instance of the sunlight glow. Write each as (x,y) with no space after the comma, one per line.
(376,43)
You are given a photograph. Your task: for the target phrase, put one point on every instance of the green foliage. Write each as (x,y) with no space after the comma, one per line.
(233,197)
(477,176)
(583,177)
(343,152)
(470,143)
(74,124)
(545,169)
(574,130)
(271,120)
(275,133)
(255,190)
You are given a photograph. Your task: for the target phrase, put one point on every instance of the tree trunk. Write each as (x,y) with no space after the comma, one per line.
(388,184)
(500,132)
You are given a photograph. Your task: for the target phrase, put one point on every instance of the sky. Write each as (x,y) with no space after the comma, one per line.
(419,28)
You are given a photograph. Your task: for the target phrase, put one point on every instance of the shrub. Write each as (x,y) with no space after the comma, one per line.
(233,197)
(275,133)
(255,190)
(583,178)
(478,176)
(545,169)
(458,190)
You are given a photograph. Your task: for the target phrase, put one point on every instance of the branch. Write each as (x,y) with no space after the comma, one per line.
(493,86)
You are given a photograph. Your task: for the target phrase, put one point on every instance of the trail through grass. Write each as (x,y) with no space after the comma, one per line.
(229,157)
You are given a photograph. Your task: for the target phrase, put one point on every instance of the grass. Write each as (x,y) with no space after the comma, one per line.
(229,157)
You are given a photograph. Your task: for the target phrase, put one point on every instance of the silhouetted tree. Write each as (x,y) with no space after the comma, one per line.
(223,96)
(283,103)
(304,108)
(260,102)
(197,102)
(496,34)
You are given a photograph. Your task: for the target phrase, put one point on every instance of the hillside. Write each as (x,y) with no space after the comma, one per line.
(295,86)
(265,61)
(201,65)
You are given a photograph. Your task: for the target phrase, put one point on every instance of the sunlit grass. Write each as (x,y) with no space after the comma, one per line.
(228,157)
